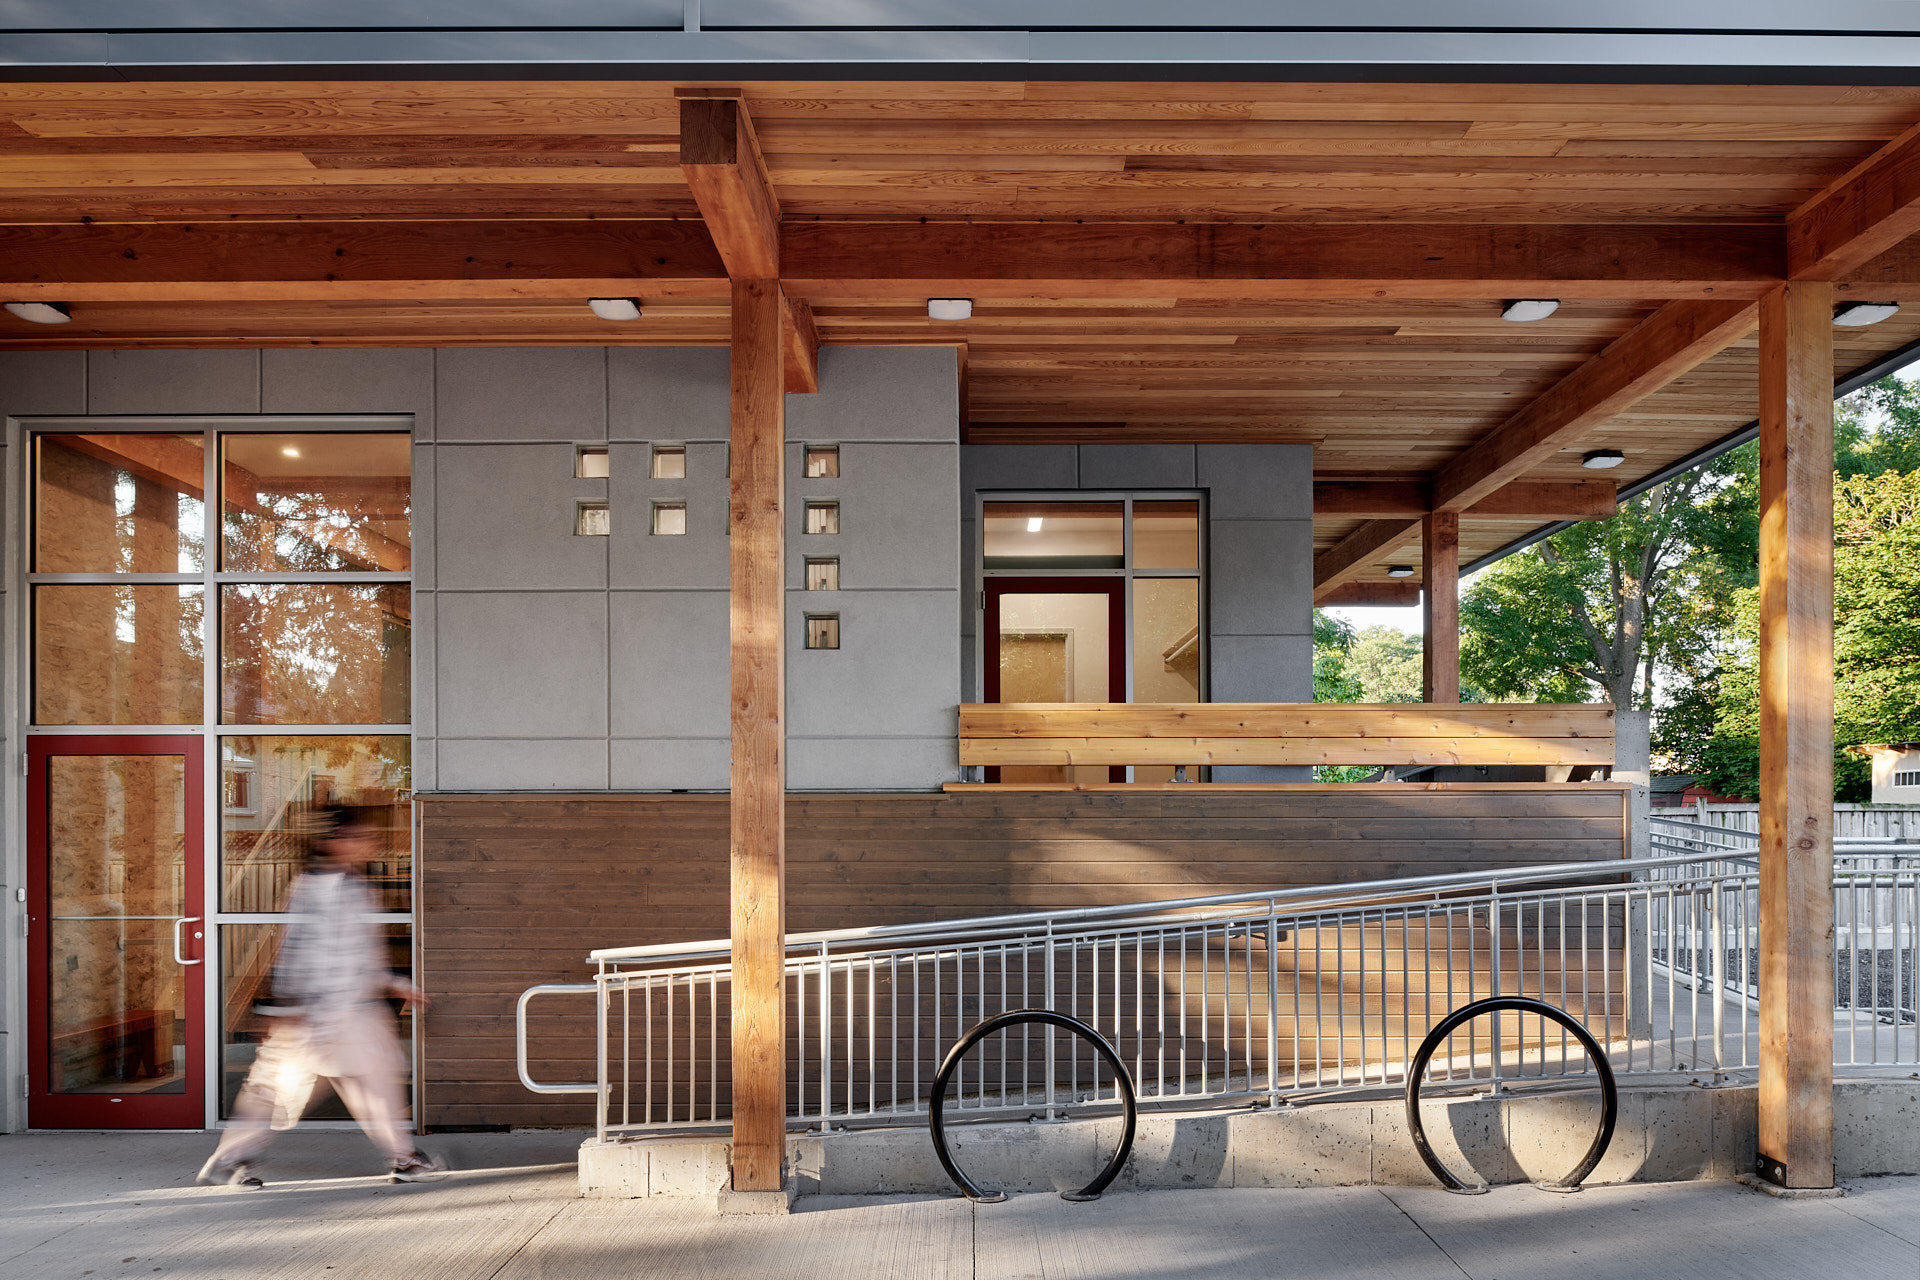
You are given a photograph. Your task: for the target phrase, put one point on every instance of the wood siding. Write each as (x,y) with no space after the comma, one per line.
(515,890)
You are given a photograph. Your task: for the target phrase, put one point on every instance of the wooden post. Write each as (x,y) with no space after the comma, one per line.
(759,703)
(1796,736)
(1440,606)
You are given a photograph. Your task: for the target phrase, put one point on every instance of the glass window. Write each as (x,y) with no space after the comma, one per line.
(592,520)
(823,574)
(670,519)
(317,502)
(1053,535)
(669,462)
(1166,535)
(119,504)
(263,846)
(117,654)
(823,631)
(315,654)
(822,517)
(823,461)
(591,462)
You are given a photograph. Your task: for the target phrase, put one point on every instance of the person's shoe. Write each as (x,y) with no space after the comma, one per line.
(238,1174)
(418,1167)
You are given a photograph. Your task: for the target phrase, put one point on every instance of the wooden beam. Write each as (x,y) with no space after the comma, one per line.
(758,778)
(343,261)
(1440,607)
(1358,551)
(847,260)
(1286,720)
(1397,593)
(850,262)
(721,160)
(1520,499)
(1796,736)
(800,349)
(1668,343)
(1862,215)
(1113,752)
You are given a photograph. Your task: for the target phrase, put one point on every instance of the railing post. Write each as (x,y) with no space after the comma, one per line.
(1050,1037)
(1493,979)
(1273,1006)
(602,1088)
(826,1040)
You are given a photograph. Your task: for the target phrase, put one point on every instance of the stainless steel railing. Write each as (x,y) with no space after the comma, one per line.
(1250,996)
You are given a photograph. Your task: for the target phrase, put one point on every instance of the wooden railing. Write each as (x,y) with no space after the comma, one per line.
(1285,733)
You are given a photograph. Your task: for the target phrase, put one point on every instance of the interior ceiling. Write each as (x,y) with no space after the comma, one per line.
(1385,388)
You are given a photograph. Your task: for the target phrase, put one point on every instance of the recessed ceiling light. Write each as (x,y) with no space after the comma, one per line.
(1855,314)
(41,312)
(1033,524)
(949,308)
(290,452)
(1603,459)
(615,308)
(1524,309)
(1399,571)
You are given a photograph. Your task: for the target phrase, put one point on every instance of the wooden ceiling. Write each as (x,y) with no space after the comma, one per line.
(1389,383)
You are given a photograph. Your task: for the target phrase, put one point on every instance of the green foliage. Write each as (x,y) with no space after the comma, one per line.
(1332,639)
(1386,664)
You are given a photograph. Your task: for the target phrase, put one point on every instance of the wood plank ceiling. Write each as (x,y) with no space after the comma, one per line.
(1386,387)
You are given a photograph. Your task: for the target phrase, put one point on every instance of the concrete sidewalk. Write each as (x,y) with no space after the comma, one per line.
(123,1205)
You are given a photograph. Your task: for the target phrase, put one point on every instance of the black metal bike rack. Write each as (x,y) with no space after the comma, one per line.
(1609,1094)
(936,1103)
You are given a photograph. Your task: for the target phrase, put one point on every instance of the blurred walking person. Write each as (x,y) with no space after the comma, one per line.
(329,1020)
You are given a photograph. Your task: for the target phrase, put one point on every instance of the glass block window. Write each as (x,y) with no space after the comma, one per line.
(822,517)
(823,462)
(669,519)
(823,573)
(669,462)
(823,631)
(591,462)
(592,520)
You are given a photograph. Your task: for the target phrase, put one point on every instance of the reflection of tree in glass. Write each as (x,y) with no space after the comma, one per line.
(315,654)
(307,526)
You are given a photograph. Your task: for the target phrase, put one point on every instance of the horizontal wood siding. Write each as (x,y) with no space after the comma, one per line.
(515,890)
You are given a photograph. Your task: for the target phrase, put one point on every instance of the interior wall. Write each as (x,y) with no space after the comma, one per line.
(1259,566)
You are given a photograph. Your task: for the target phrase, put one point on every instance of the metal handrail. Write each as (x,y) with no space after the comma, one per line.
(520,1035)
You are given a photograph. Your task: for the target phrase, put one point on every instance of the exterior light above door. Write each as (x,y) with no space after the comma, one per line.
(1603,459)
(1524,309)
(615,308)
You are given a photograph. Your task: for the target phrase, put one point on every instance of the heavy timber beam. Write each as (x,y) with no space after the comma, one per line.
(1796,736)
(1864,214)
(1440,607)
(1349,557)
(758,778)
(1520,499)
(800,347)
(721,160)
(1654,352)
(1395,594)
(559,258)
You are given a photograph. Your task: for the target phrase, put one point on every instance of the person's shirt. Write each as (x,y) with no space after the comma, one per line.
(334,955)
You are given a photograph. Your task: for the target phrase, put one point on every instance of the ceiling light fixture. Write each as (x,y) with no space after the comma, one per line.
(290,452)
(1524,309)
(1603,459)
(615,308)
(949,308)
(41,312)
(1033,524)
(1855,314)
(1399,571)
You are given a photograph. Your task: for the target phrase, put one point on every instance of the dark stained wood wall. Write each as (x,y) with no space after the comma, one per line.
(516,890)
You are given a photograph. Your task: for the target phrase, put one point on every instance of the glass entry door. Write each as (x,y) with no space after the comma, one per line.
(1056,640)
(116,934)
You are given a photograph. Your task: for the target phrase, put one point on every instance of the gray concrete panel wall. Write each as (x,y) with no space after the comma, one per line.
(1260,553)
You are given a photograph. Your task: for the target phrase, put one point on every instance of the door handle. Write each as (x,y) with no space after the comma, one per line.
(179,957)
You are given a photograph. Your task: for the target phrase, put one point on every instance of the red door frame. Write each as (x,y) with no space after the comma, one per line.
(1115,590)
(47,1110)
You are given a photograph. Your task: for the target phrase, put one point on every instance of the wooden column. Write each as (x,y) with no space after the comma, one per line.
(1440,606)
(1796,736)
(759,703)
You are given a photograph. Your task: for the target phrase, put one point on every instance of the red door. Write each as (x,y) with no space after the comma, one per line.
(115,934)
(1056,640)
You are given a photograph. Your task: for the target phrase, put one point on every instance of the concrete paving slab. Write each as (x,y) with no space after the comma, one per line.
(1701,1230)
(1891,1204)
(1313,1234)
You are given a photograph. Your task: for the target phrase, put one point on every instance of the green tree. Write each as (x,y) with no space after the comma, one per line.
(1332,639)
(1385,663)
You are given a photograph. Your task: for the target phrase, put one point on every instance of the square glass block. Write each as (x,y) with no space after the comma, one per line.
(119,504)
(669,519)
(822,517)
(314,502)
(1166,535)
(823,462)
(269,787)
(669,462)
(823,631)
(592,520)
(1053,535)
(311,653)
(111,654)
(590,462)
(823,574)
